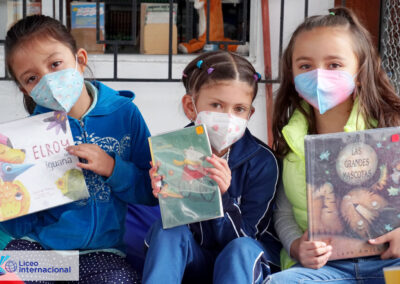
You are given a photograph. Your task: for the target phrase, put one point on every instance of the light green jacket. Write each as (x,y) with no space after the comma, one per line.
(294,171)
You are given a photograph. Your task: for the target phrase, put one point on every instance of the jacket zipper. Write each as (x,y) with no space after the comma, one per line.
(82,125)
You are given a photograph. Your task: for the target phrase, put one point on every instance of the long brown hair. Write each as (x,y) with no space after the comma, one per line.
(377,97)
(35,27)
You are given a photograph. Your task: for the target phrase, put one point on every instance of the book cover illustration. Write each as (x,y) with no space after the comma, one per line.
(353,189)
(187,194)
(36,172)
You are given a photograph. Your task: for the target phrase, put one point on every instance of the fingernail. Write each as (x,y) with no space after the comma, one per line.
(372,240)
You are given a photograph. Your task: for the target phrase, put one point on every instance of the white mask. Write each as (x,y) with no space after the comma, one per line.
(223,129)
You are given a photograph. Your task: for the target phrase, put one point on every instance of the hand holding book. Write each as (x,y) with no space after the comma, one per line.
(311,254)
(220,173)
(393,239)
(98,161)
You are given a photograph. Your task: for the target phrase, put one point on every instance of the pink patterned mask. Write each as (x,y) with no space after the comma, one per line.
(324,89)
(223,129)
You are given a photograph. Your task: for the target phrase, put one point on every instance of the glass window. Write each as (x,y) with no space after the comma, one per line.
(142,27)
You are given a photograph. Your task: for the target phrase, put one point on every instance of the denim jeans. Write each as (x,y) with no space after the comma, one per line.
(364,270)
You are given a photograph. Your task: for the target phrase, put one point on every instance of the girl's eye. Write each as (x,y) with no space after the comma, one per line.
(334,66)
(56,64)
(216,105)
(240,109)
(31,79)
(305,66)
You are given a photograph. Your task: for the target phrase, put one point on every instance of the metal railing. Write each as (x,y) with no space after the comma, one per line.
(116,43)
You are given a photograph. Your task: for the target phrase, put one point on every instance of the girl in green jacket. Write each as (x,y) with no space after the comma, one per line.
(332,81)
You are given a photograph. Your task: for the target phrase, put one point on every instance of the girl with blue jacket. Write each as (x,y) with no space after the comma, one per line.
(239,247)
(111,142)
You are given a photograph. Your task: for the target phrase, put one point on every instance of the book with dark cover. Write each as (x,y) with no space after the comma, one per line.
(187,193)
(353,186)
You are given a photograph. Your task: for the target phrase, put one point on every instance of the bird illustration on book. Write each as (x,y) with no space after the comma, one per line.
(14,199)
(9,171)
(71,184)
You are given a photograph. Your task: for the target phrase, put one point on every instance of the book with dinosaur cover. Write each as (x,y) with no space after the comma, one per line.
(187,194)
(353,189)
(36,172)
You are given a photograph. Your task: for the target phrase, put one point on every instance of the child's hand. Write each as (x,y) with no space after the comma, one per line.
(311,254)
(393,238)
(98,161)
(221,172)
(155,179)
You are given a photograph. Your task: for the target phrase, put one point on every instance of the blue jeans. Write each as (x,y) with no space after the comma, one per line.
(174,255)
(366,270)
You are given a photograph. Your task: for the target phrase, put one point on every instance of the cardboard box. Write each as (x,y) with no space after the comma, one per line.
(154,29)
(14,10)
(83,25)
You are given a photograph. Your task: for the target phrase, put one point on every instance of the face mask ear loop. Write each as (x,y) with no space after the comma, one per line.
(194,106)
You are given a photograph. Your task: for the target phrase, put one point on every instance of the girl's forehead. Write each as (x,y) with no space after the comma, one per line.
(323,41)
(230,91)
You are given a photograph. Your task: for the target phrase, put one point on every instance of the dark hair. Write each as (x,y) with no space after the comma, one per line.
(33,27)
(224,66)
(376,96)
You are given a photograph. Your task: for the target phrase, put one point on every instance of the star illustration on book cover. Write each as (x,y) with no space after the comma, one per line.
(58,121)
(14,198)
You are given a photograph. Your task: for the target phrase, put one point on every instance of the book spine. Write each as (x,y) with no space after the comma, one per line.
(309,155)
(151,151)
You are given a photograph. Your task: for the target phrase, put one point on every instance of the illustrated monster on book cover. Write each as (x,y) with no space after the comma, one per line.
(14,198)
(353,183)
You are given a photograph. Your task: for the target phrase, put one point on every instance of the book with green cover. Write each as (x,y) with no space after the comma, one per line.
(187,194)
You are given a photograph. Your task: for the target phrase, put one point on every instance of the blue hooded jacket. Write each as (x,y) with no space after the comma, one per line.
(116,125)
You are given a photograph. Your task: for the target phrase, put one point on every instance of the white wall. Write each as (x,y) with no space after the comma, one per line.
(160,102)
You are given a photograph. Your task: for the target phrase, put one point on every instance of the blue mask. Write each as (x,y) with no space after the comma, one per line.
(58,90)
(324,89)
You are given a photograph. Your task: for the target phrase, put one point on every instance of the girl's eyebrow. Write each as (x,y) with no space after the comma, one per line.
(302,58)
(29,70)
(328,57)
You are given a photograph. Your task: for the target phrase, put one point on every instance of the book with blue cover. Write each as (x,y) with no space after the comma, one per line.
(187,194)
(353,189)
